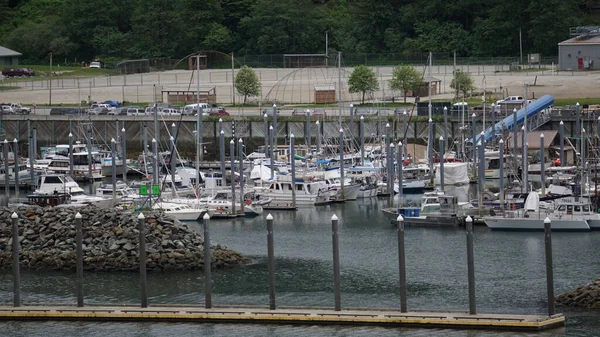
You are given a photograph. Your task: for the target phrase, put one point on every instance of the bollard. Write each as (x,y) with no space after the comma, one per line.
(549,271)
(471,266)
(271,262)
(442,152)
(124,150)
(336,263)
(79,252)
(142,253)
(71,154)
(401,262)
(207,264)
(16,168)
(6,176)
(16,262)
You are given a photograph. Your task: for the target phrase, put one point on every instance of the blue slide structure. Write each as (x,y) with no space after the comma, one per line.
(532,109)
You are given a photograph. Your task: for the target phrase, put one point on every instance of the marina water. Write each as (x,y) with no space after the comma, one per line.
(509,271)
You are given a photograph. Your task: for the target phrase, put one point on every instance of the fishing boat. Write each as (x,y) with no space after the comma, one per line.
(180,212)
(566,214)
(52,184)
(436,210)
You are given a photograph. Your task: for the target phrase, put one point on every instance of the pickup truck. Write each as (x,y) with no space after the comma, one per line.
(19,109)
(14,108)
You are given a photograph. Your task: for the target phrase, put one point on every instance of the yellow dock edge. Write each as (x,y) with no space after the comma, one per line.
(285,316)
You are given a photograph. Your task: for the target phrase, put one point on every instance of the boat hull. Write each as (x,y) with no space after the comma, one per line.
(524,224)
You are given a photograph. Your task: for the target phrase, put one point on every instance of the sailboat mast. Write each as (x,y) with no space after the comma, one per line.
(430,140)
(340,87)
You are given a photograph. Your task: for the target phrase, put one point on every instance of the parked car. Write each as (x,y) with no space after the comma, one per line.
(100,111)
(6,109)
(18,72)
(319,112)
(96,65)
(67,111)
(399,111)
(218,112)
(300,112)
(134,111)
(269,111)
(169,112)
(118,112)
(363,112)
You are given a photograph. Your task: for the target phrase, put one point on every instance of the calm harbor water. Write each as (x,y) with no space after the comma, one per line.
(509,270)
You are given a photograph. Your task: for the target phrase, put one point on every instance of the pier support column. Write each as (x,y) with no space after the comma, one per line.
(79,253)
(271,262)
(401,262)
(207,263)
(471,266)
(16,167)
(142,253)
(549,270)
(6,175)
(336,264)
(16,262)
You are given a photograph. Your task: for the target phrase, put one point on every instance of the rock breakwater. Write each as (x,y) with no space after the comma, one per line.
(110,241)
(586,296)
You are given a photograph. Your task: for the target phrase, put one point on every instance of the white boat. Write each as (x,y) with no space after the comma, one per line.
(366,177)
(180,212)
(122,191)
(52,184)
(567,215)
(308,193)
(60,161)
(456,173)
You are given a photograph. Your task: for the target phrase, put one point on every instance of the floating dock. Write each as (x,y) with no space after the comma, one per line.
(284,315)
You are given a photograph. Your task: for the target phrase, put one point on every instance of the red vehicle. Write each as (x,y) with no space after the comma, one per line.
(218,112)
(18,72)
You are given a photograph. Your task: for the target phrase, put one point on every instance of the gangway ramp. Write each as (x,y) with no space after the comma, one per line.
(509,123)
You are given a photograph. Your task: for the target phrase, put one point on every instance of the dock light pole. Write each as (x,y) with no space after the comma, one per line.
(493,123)
(124,159)
(71,154)
(445,125)
(405,130)
(543,164)
(515,139)
(15,256)
(471,265)
(6,176)
(241,159)
(549,271)
(142,253)
(272,161)
(274,134)
(401,261)
(442,151)
(307,140)
(207,263)
(267,141)
(79,253)
(342,162)
(232,170)
(501,192)
(391,174)
(577,127)
(318,137)
(336,264)
(155,168)
(113,145)
(400,164)
(271,262)
(16,155)
(561,131)
(293,167)
(222,155)
(362,141)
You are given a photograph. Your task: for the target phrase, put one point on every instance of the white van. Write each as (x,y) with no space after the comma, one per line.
(192,109)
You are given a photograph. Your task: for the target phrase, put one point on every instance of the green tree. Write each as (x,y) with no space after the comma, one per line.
(247,82)
(362,79)
(462,82)
(405,78)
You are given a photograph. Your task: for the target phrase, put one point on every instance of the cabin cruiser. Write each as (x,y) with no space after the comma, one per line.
(180,212)
(436,209)
(566,214)
(309,192)
(59,157)
(52,184)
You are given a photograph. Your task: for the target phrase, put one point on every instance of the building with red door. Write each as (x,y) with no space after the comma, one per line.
(582,51)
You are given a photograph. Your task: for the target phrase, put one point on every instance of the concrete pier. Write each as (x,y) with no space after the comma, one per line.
(285,315)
